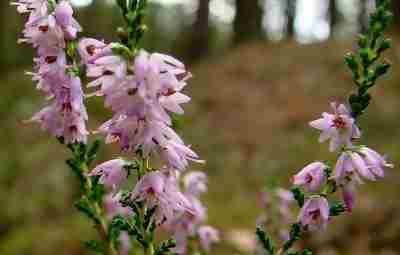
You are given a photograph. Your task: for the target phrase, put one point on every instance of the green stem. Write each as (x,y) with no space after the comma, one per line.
(102,228)
(150,249)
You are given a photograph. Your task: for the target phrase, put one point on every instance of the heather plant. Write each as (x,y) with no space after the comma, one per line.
(126,199)
(316,185)
(129,199)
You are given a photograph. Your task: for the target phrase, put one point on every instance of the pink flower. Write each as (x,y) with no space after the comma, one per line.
(112,173)
(134,132)
(208,235)
(161,79)
(348,195)
(375,162)
(44,33)
(339,127)
(363,162)
(31,6)
(91,49)
(66,117)
(113,207)
(177,155)
(315,213)
(195,183)
(312,176)
(156,189)
(110,71)
(285,198)
(64,17)
(181,237)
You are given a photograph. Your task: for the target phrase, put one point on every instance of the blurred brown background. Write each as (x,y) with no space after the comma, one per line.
(262,70)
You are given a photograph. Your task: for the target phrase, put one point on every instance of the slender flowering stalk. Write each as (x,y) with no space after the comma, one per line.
(356,163)
(142,90)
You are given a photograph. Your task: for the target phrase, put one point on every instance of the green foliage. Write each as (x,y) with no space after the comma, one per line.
(177,121)
(266,242)
(165,247)
(366,64)
(84,206)
(305,252)
(133,12)
(52,5)
(336,209)
(298,195)
(95,246)
(295,235)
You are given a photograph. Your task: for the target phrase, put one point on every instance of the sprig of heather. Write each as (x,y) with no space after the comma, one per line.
(317,182)
(53,32)
(142,90)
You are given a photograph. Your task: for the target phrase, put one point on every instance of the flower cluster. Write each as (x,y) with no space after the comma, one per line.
(355,163)
(188,226)
(142,90)
(50,29)
(279,205)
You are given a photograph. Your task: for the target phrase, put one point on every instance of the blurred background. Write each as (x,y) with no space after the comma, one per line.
(262,70)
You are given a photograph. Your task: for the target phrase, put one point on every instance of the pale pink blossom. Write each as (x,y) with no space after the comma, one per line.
(64,17)
(112,173)
(44,33)
(91,49)
(35,8)
(110,71)
(285,199)
(66,117)
(363,162)
(113,206)
(155,189)
(177,155)
(208,236)
(315,213)
(375,162)
(195,183)
(312,176)
(348,195)
(339,127)
(134,132)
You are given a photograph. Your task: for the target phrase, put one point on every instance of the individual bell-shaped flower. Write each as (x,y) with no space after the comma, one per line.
(315,213)
(112,173)
(375,162)
(312,177)
(360,162)
(91,49)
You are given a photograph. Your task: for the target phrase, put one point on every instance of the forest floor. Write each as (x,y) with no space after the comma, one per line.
(249,120)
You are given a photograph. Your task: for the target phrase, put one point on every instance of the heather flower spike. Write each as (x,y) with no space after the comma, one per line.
(317,182)
(142,90)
